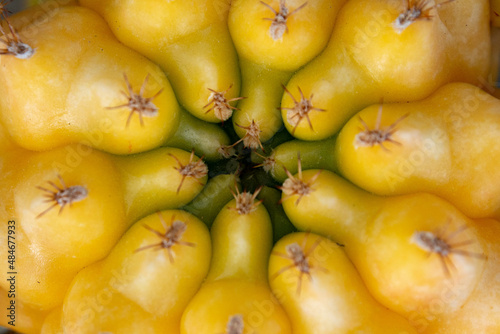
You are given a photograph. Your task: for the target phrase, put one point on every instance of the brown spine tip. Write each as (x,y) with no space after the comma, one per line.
(268,163)
(295,185)
(279,22)
(63,195)
(13,45)
(441,243)
(227,151)
(221,106)
(300,110)
(172,236)
(251,139)
(300,260)
(195,169)
(416,10)
(4,12)
(377,136)
(245,201)
(137,103)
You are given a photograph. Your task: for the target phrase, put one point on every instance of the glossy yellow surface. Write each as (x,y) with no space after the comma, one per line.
(237,281)
(6,143)
(26,319)
(447,146)
(57,244)
(332,297)
(477,313)
(107,263)
(188,39)
(152,181)
(140,291)
(267,63)
(62,94)
(309,29)
(379,237)
(52,322)
(368,59)
(262,89)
